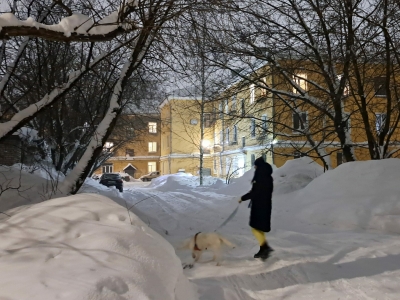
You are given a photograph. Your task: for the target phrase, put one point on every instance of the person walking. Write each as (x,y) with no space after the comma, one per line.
(261,205)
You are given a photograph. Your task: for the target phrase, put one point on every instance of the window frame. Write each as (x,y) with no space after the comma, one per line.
(300,80)
(234,134)
(152,127)
(151,148)
(253,128)
(301,126)
(252,89)
(382,121)
(127,150)
(150,163)
(379,86)
(104,166)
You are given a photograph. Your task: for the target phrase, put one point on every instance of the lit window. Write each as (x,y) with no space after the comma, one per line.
(300,81)
(107,168)
(151,166)
(346,90)
(152,146)
(252,93)
(109,145)
(152,127)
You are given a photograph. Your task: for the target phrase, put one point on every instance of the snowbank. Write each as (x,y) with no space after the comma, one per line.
(84,247)
(293,175)
(22,188)
(181,181)
(356,195)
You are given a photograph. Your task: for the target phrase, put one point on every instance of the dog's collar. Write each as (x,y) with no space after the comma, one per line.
(196,248)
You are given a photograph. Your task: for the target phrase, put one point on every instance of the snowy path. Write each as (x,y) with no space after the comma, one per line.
(310,261)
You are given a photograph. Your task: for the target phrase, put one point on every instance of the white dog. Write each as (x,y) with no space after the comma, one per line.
(206,241)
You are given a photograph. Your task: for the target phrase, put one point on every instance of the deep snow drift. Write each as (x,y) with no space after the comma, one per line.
(356,195)
(335,236)
(314,257)
(84,247)
(183,181)
(293,175)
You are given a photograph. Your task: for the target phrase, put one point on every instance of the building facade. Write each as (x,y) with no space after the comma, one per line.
(139,155)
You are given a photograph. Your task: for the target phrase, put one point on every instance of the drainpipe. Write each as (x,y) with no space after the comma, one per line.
(170,137)
(273,124)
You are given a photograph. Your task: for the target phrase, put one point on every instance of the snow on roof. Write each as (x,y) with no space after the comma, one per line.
(129,165)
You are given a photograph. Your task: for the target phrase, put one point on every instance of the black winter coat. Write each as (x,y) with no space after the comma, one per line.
(261,198)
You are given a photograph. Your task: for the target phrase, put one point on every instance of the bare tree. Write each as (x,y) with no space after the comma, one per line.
(138,23)
(325,57)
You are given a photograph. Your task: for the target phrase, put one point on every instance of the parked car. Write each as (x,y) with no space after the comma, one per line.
(112,179)
(150,176)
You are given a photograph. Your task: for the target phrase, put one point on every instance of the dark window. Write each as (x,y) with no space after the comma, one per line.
(264,123)
(253,159)
(234,134)
(380,86)
(207,120)
(227,135)
(243,141)
(264,156)
(129,152)
(297,125)
(233,106)
(243,104)
(221,112)
(339,158)
(253,128)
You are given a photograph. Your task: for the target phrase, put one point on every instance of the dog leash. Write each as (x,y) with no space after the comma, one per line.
(229,218)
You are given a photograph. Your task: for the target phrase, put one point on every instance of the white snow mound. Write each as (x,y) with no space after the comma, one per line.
(84,247)
(293,175)
(183,181)
(356,195)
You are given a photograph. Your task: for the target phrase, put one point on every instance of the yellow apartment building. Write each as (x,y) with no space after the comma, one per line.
(181,139)
(241,131)
(297,128)
(245,122)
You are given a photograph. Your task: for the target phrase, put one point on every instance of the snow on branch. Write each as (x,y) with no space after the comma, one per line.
(77,27)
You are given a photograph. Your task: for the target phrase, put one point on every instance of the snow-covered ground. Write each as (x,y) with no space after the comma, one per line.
(335,235)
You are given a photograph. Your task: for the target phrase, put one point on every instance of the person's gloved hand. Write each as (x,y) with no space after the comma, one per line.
(240,200)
